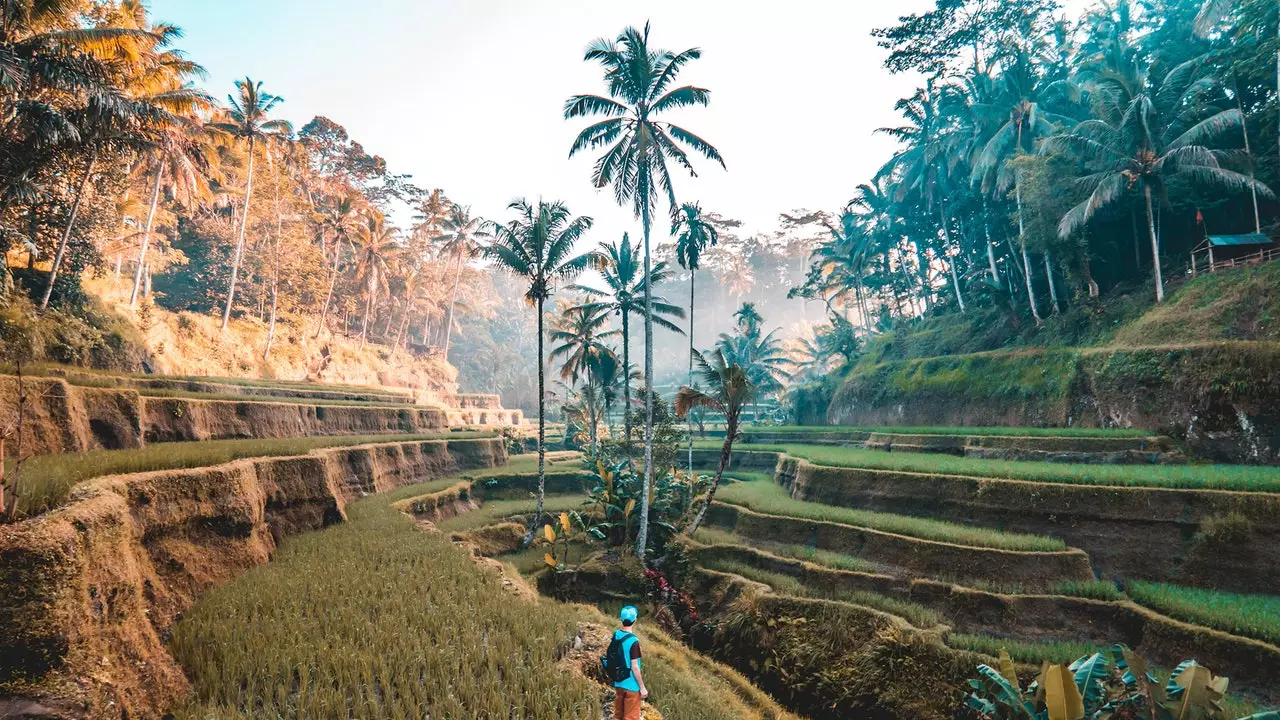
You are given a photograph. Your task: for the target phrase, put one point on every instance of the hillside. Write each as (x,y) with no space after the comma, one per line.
(1202,367)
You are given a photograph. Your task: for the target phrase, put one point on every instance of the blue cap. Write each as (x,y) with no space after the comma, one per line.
(629,614)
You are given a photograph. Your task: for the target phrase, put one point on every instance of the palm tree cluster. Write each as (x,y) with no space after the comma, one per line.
(1046,161)
(113,162)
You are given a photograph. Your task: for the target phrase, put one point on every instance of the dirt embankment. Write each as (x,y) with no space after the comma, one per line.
(1222,399)
(61,417)
(1150,533)
(101,580)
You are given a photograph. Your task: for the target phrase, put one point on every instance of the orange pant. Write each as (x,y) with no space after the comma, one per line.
(626,705)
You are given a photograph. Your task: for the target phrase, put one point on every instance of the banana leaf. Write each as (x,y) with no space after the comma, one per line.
(1089,674)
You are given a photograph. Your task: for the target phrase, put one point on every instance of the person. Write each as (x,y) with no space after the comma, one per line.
(630,691)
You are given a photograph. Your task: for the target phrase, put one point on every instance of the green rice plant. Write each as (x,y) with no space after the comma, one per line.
(709,535)
(772,499)
(1254,616)
(48,479)
(918,615)
(374,618)
(1069,432)
(1092,589)
(1031,653)
(496,511)
(1250,478)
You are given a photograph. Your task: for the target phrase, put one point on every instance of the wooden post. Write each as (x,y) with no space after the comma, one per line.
(1211,267)
(1193,263)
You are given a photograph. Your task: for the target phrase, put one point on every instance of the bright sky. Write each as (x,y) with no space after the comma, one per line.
(467,95)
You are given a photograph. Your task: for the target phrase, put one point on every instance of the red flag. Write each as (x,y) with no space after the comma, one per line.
(1199,216)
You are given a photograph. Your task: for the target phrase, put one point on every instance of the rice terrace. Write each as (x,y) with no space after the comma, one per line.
(683,361)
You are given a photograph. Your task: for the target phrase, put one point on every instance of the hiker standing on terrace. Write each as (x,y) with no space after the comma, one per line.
(621,663)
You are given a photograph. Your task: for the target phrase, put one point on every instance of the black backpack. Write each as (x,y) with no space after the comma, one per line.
(616,667)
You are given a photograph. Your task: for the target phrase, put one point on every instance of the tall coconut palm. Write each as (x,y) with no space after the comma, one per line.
(337,219)
(580,332)
(626,291)
(694,233)
(247,120)
(728,390)
(640,146)
(1211,15)
(1145,141)
(376,245)
(538,246)
(462,233)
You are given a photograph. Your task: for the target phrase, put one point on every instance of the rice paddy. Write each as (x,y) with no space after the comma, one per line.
(48,479)
(1255,616)
(1069,432)
(1031,653)
(1250,478)
(772,499)
(710,535)
(917,615)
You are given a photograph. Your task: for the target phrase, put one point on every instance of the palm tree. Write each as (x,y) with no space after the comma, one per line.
(1157,134)
(729,389)
(376,244)
(1211,15)
(762,357)
(621,273)
(538,246)
(635,163)
(180,156)
(694,233)
(247,120)
(338,219)
(462,231)
(579,332)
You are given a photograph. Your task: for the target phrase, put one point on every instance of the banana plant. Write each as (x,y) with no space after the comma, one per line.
(1102,686)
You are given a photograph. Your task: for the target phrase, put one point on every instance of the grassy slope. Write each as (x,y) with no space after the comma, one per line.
(770,498)
(1202,477)
(375,618)
(47,479)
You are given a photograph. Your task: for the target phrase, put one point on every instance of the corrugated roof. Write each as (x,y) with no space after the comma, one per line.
(1230,240)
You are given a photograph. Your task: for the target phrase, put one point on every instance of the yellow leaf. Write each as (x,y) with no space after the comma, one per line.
(549,532)
(549,560)
(1061,696)
(1006,668)
(564,522)
(631,505)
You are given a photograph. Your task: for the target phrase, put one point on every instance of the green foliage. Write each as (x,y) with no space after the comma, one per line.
(48,479)
(1254,616)
(1097,686)
(773,499)
(1209,477)
(1031,653)
(613,506)
(670,436)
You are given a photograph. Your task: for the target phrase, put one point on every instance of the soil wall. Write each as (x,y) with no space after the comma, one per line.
(1222,399)
(62,417)
(100,580)
(1148,533)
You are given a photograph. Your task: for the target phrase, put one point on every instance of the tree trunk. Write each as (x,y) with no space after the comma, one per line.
(626,377)
(693,271)
(275,278)
(66,234)
(991,252)
(453,300)
(946,241)
(542,437)
(146,237)
(591,411)
(1244,127)
(404,325)
(1026,260)
(1137,241)
(333,280)
(1155,246)
(726,453)
(244,225)
(1053,288)
(368,305)
(642,536)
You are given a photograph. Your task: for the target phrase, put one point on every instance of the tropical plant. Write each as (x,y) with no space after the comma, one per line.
(1144,138)
(375,245)
(461,234)
(337,219)
(728,390)
(694,233)
(538,246)
(640,146)
(580,331)
(246,119)
(1115,683)
(626,286)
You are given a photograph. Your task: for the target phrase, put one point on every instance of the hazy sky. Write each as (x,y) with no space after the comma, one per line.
(468,95)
